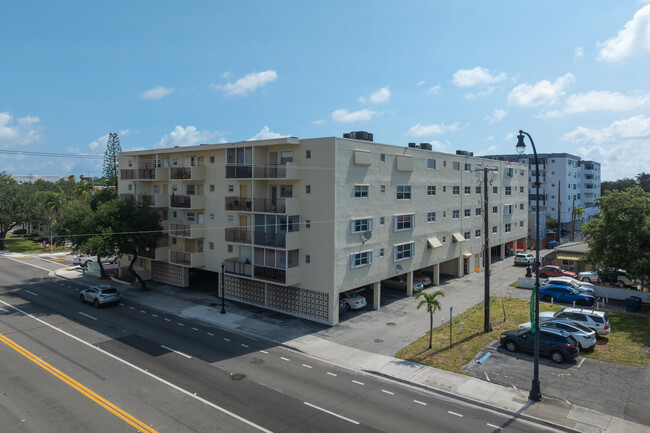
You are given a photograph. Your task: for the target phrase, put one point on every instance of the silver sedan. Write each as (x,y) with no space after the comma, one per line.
(585,337)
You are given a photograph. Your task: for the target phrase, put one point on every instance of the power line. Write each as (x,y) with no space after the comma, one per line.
(57,155)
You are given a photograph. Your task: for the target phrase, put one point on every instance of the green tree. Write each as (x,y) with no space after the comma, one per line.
(643,179)
(433,304)
(111,155)
(16,205)
(617,185)
(620,236)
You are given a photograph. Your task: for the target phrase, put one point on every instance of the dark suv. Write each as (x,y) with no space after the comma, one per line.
(559,345)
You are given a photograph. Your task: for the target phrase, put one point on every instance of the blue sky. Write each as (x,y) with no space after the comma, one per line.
(459,74)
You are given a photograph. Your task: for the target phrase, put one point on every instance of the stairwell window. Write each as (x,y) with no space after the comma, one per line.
(507,209)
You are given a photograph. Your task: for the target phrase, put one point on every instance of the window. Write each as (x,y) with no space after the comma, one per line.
(468,167)
(361,191)
(382,157)
(444,188)
(403,192)
(521,223)
(478,233)
(360,259)
(444,239)
(521,206)
(521,189)
(467,235)
(508,190)
(431,217)
(361,225)
(130,187)
(381,252)
(286,190)
(521,172)
(231,188)
(173,241)
(456,165)
(174,214)
(404,251)
(404,222)
(444,214)
(478,189)
(307,156)
(456,190)
(286,156)
(494,229)
(468,190)
(495,190)
(381,220)
(199,246)
(478,211)
(190,217)
(307,256)
(431,163)
(444,163)
(157,189)
(509,171)
(507,209)
(507,228)
(212,188)
(211,217)
(212,160)
(211,245)
(382,188)
(130,163)
(230,248)
(479,166)
(190,190)
(307,224)
(455,214)
(495,209)
(468,213)
(307,189)
(431,190)
(231,219)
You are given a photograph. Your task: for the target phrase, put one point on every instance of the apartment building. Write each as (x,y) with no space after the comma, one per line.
(295,222)
(565,181)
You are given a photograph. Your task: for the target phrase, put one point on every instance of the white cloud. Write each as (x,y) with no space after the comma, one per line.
(226,75)
(434,90)
(157,93)
(318,121)
(616,146)
(476,77)
(248,83)
(188,136)
(633,40)
(24,131)
(579,52)
(346,116)
(266,134)
(604,101)
(420,130)
(542,92)
(421,83)
(496,116)
(100,143)
(381,96)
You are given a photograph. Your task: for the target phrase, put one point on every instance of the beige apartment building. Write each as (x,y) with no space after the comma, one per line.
(295,222)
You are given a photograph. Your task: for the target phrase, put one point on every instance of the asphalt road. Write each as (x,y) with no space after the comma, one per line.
(70,367)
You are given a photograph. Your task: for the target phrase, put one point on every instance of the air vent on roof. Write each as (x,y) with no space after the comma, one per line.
(359,135)
(464,152)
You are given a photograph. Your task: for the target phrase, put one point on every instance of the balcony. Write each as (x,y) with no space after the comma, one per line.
(153,173)
(270,274)
(187,173)
(127,174)
(187,201)
(238,235)
(275,171)
(274,240)
(239,203)
(159,252)
(188,260)
(189,231)
(234,266)
(269,205)
(239,171)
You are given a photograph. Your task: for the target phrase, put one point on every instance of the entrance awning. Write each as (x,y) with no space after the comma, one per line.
(434,242)
(458,237)
(467,255)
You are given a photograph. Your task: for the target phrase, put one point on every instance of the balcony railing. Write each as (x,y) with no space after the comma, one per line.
(235,234)
(269,205)
(239,203)
(275,240)
(146,174)
(234,266)
(187,201)
(127,174)
(239,171)
(190,231)
(187,173)
(272,171)
(193,260)
(270,274)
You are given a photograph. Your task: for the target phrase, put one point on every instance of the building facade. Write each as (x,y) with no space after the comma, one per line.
(566,182)
(295,222)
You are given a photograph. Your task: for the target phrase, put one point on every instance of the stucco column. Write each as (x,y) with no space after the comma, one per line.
(502,251)
(436,274)
(409,283)
(376,295)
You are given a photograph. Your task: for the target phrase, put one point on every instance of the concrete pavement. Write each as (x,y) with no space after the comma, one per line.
(350,344)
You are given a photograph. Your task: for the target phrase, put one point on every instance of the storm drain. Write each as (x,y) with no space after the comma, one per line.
(378,340)
(237,376)
(391,324)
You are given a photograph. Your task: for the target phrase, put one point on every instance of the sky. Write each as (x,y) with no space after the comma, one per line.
(462,75)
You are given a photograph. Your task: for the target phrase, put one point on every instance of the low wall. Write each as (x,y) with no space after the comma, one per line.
(622,294)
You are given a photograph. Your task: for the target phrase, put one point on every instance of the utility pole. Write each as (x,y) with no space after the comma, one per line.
(486,255)
(559,212)
(573,217)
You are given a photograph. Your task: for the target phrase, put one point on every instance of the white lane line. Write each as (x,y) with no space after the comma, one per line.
(567,401)
(210,334)
(33,266)
(244,345)
(195,329)
(180,324)
(419,402)
(69,287)
(226,339)
(454,413)
(514,387)
(132,308)
(332,413)
(264,352)
(120,302)
(331,374)
(307,366)
(357,382)
(581,361)
(388,392)
(143,312)
(167,320)
(31,293)
(487,377)
(284,359)
(494,426)
(176,351)
(142,370)
(154,315)
(87,315)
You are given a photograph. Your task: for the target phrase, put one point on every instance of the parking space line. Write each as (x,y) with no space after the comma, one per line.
(387,392)
(31,293)
(331,374)
(167,320)
(454,413)
(195,329)
(87,315)
(180,324)
(264,352)
(143,312)
(487,377)
(307,366)
(580,363)
(358,383)
(285,359)
(419,402)
(494,426)
(154,315)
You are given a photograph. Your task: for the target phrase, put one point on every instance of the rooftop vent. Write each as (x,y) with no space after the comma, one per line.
(359,135)
(464,152)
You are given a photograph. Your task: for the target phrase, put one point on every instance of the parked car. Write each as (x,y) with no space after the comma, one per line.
(589,276)
(592,319)
(582,287)
(100,295)
(399,283)
(561,293)
(559,345)
(555,271)
(83,260)
(354,300)
(524,259)
(421,277)
(585,337)
(617,277)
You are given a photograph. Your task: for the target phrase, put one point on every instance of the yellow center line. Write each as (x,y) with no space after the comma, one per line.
(128,418)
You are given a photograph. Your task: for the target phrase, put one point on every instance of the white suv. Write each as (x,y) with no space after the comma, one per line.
(593,319)
(524,259)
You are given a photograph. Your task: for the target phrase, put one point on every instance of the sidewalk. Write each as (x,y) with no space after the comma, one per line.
(314,340)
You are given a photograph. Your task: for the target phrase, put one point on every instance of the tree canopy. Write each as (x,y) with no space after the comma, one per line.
(111,155)
(16,205)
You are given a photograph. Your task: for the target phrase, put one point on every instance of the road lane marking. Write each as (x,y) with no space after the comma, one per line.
(264,352)
(167,320)
(180,324)
(226,339)
(454,413)
(88,315)
(31,293)
(195,329)
(581,361)
(419,402)
(176,351)
(357,382)
(332,413)
(154,315)
(210,334)
(284,359)
(143,312)
(101,401)
(244,345)
(494,426)
(307,366)
(132,308)
(388,392)
(331,374)
(487,377)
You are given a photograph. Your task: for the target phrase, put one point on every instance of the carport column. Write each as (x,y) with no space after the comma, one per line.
(376,295)
(502,251)
(436,274)
(409,283)
(459,266)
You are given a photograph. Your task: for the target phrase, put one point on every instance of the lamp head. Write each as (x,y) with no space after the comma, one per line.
(521,146)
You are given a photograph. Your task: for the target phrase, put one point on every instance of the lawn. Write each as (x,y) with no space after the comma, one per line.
(626,345)
(28,245)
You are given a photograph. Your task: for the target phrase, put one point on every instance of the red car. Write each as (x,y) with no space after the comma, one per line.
(555,271)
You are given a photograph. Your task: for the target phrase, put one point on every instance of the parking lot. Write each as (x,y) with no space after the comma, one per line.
(613,389)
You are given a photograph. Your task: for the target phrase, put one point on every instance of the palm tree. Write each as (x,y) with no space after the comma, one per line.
(433,305)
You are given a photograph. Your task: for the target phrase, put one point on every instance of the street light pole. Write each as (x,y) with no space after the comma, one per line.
(223,291)
(487,326)
(535,391)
